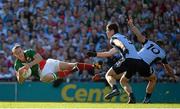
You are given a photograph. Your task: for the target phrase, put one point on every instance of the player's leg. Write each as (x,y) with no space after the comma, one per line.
(54,69)
(48,73)
(86,66)
(129,67)
(148,74)
(152,82)
(66,68)
(111,76)
(80,66)
(124,81)
(111,79)
(98,76)
(49,77)
(150,87)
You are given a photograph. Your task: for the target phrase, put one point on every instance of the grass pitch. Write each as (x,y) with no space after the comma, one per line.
(63,105)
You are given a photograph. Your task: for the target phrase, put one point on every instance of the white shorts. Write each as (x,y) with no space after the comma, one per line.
(51,66)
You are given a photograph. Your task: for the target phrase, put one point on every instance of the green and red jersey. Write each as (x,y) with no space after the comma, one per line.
(29,57)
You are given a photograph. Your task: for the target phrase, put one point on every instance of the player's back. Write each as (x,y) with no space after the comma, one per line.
(132,52)
(151,52)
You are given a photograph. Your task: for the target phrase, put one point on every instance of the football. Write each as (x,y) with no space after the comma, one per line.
(27,73)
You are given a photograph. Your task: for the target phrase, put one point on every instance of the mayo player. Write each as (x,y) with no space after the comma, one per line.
(47,70)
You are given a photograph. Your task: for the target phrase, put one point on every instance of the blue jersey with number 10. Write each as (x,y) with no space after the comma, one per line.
(151,53)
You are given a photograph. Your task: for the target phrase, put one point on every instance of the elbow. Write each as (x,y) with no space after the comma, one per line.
(39,57)
(109,55)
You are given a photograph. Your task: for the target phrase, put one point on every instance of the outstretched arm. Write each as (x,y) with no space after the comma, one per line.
(37,59)
(109,53)
(169,71)
(135,30)
(19,74)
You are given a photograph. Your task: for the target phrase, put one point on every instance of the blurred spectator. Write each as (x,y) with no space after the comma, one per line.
(6,71)
(85,76)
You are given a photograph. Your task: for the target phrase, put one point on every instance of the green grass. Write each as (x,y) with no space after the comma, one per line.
(82,105)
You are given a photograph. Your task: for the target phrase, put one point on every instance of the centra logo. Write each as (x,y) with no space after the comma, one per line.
(74,92)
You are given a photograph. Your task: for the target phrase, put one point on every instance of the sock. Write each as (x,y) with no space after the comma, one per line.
(54,76)
(132,99)
(64,73)
(114,87)
(84,66)
(148,95)
(131,95)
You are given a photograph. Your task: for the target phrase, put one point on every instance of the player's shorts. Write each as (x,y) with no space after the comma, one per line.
(144,69)
(51,66)
(131,66)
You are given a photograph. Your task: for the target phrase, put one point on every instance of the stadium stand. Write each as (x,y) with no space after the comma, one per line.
(67,29)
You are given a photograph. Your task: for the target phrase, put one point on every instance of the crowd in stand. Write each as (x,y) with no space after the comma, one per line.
(67,29)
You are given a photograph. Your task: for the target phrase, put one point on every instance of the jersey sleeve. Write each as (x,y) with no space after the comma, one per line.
(17,65)
(30,53)
(164,61)
(123,51)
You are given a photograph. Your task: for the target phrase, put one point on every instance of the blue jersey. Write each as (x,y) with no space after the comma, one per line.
(151,53)
(132,52)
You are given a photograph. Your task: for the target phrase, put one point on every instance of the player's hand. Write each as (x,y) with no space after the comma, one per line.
(20,78)
(96,77)
(22,70)
(91,54)
(26,66)
(130,21)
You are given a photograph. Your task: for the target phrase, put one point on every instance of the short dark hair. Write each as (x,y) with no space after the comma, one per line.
(113,26)
(160,42)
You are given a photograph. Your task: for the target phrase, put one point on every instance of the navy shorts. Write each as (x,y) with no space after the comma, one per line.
(131,66)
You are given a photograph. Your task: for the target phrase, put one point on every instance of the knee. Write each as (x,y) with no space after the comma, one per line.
(107,74)
(47,78)
(153,78)
(43,79)
(123,80)
(118,77)
(110,74)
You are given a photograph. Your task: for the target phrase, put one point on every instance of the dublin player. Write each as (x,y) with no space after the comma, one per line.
(143,67)
(151,53)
